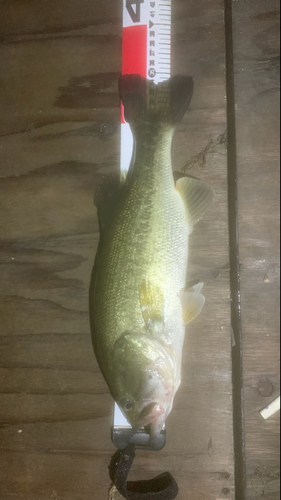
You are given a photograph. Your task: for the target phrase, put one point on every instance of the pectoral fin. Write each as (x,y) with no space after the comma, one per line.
(151,302)
(192,303)
(197,196)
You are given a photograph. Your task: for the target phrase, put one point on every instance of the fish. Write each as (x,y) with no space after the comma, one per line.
(138,303)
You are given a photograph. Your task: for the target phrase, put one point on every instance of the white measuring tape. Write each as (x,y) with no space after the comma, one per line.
(146,52)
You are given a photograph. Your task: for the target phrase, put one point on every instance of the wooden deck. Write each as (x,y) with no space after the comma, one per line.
(59,134)
(257,83)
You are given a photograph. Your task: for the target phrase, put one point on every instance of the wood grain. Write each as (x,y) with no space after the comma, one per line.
(59,135)
(257,81)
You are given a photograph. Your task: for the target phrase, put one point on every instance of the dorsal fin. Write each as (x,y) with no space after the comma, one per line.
(106,197)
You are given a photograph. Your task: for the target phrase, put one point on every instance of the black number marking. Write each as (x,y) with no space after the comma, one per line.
(135,14)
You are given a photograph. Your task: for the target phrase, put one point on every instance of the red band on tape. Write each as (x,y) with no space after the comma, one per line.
(134,59)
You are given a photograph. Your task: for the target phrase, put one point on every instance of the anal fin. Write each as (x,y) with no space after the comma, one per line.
(106,197)
(197,196)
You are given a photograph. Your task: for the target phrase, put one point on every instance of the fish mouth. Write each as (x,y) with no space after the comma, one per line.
(150,414)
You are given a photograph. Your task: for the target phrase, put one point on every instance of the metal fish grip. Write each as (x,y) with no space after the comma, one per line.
(162,487)
(123,434)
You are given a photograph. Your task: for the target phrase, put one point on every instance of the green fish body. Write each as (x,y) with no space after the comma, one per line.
(138,306)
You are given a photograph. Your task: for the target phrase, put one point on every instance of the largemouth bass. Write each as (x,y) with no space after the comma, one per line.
(138,304)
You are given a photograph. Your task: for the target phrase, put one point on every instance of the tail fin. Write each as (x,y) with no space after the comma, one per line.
(143,99)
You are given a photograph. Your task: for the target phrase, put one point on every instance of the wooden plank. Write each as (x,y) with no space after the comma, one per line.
(63,17)
(59,136)
(256,56)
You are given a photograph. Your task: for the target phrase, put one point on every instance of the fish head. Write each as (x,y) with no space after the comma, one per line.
(145,377)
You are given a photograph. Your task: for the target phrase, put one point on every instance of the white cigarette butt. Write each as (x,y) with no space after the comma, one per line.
(271,409)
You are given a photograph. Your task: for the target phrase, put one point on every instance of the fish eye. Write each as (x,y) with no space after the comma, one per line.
(128,405)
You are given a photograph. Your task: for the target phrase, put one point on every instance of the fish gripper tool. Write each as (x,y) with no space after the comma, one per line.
(162,487)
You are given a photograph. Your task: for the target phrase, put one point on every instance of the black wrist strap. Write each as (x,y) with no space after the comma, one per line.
(162,487)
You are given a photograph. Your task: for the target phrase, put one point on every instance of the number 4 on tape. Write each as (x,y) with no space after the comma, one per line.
(135,14)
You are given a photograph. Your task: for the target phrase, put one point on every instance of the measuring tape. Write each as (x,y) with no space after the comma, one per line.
(146,52)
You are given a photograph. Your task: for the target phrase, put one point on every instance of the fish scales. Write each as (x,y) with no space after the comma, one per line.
(147,228)
(138,309)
